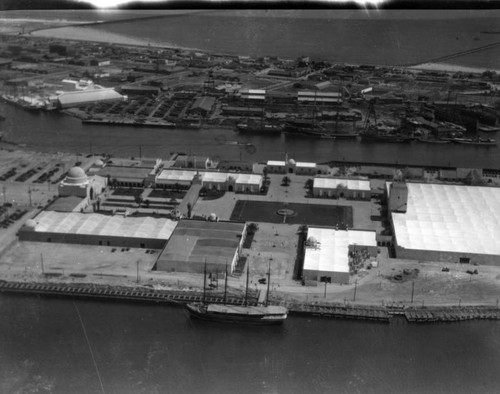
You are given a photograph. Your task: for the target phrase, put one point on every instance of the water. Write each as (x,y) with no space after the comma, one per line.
(51,132)
(158,349)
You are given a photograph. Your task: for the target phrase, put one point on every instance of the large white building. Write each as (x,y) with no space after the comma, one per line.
(327,253)
(448,223)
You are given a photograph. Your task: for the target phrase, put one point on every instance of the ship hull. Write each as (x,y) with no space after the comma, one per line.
(200,311)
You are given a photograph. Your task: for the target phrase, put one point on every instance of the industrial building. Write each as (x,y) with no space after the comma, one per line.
(290,166)
(85,97)
(195,242)
(328,252)
(98,229)
(452,223)
(237,182)
(351,189)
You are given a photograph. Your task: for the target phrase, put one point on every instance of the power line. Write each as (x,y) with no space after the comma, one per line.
(90,347)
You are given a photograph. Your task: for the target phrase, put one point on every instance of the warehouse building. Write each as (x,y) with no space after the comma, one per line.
(328,253)
(195,242)
(351,189)
(450,223)
(98,229)
(86,97)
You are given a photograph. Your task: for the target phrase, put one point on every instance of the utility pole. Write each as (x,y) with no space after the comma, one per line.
(41,261)
(412,290)
(29,193)
(325,288)
(138,271)
(355,287)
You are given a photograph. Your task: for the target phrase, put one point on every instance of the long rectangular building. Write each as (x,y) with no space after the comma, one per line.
(449,222)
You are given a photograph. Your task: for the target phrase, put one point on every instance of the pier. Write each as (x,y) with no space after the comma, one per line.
(430,314)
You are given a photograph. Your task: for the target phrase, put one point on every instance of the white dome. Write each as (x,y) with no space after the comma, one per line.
(99,163)
(212,217)
(76,176)
(292,162)
(30,223)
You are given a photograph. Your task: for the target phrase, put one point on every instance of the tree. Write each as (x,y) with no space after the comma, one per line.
(310,184)
(285,181)
(190,208)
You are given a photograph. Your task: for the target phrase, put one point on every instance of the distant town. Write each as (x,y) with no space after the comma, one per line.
(341,239)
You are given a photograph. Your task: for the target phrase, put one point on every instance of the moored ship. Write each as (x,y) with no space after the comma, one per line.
(259,128)
(242,314)
(304,128)
(259,314)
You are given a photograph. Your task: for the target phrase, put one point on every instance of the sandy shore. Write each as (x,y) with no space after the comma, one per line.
(92,34)
(451,68)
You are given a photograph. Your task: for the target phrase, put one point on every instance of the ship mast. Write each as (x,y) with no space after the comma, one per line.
(225,286)
(246,289)
(204,280)
(268,283)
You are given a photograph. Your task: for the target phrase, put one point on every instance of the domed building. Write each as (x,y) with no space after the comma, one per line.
(78,184)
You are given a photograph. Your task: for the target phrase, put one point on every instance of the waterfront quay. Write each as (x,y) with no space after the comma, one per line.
(57,244)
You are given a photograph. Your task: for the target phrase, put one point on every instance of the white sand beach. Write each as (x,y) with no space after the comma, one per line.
(96,35)
(451,68)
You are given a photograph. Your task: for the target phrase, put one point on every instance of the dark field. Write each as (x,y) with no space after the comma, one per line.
(311,214)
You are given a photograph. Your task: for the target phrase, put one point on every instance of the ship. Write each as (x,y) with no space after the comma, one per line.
(259,128)
(242,314)
(379,134)
(304,128)
(476,141)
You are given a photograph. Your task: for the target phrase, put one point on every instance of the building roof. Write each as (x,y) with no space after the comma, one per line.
(331,253)
(249,179)
(220,177)
(196,241)
(104,225)
(450,218)
(276,163)
(303,164)
(74,98)
(350,184)
(176,176)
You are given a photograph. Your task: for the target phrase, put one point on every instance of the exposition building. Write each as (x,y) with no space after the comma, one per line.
(329,251)
(98,229)
(196,242)
(351,189)
(451,223)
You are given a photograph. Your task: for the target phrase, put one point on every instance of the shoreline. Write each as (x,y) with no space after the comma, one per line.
(94,34)
(354,311)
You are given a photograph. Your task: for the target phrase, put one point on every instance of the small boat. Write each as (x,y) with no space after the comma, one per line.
(243,314)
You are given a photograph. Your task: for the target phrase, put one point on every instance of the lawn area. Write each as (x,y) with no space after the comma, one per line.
(311,214)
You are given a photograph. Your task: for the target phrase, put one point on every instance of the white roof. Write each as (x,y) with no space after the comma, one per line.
(331,253)
(304,94)
(333,183)
(253,91)
(276,163)
(176,176)
(88,96)
(305,164)
(105,225)
(450,218)
(249,179)
(219,177)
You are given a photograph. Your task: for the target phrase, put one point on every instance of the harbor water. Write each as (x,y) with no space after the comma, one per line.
(61,346)
(52,132)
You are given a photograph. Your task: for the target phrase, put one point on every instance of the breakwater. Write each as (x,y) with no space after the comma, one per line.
(413,314)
